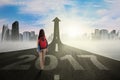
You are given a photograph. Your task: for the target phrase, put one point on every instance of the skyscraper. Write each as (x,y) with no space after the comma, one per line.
(8,35)
(104,34)
(118,34)
(15,31)
(4,32)
(113,34)
(97,34)
(36,37)
(32,35)
(20,37)
(26,36)
(0,37)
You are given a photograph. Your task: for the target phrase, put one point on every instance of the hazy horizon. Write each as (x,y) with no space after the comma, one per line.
(105,48)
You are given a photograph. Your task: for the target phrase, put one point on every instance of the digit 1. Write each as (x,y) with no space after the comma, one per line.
(73,62)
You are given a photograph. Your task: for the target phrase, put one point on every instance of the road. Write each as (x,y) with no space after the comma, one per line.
(62,63)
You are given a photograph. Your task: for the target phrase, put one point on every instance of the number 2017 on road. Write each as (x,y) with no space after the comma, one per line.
(53,62)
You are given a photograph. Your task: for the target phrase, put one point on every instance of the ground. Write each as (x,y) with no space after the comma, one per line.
(62,63)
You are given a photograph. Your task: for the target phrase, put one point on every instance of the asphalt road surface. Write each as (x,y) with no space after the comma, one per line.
(62,63)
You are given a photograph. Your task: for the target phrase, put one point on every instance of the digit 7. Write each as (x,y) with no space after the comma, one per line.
(94,61)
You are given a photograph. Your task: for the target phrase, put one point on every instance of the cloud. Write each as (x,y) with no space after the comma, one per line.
(108,14)
(107,23)
(12,2)
(49,9)
(5,2)
(109,17)
(114,8)
(102,12)
(44,7)
(3,21)
(109,1)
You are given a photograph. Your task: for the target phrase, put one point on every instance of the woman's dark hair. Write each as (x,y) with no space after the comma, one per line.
(41,33)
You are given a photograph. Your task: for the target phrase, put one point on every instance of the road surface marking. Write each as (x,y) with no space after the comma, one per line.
(56,77)
(73,62)
(95,61)
(52,65)
(56,47)
(19,65)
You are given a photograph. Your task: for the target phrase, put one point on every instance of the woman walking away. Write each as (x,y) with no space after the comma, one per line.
(42,47)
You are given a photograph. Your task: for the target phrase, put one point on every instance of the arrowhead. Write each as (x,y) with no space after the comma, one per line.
(56,19)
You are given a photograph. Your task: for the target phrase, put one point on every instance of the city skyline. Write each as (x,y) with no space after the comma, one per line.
(13,34)
(83,15)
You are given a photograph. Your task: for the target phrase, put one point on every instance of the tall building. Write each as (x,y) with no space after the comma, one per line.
(113,35)
(104,34)
(92,36)
(50,38)
(36,37)
(118,35)
(4,32)
(26,36)
(32,35)
(0,37)
(20,37)
(8,35)
(15,31)
(97,34)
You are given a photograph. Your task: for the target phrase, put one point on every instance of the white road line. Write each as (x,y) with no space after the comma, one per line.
(56,77)
(73,62)
(20,64)
(95,61)
(56,47)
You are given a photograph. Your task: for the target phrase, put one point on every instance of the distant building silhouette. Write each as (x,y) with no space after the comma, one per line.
(15,31)
(97,34)
(113,35)
(4,32)
(14,35)
(8,35)
(0,37)
(26,36)
(36,37)
(50,37)
(29,36)
(32,35)
(118,34)
(20,37)
(104,34)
